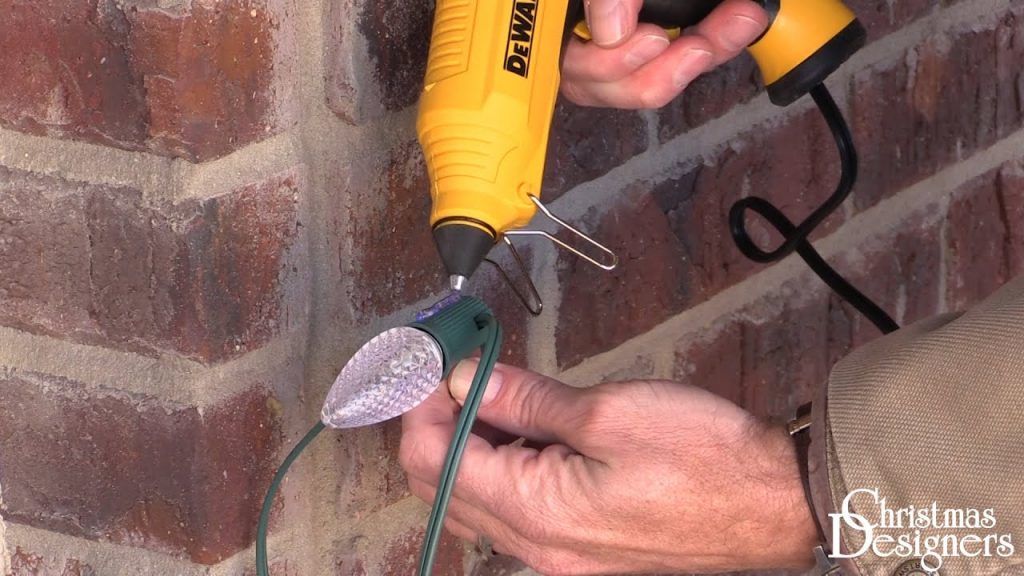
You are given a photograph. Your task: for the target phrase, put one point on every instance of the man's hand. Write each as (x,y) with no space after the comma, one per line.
(635,66)
(626,477)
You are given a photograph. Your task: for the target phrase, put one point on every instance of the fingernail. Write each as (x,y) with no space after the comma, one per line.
(608,21)
(740,32)
(462,377)
(692,64)
(645,49)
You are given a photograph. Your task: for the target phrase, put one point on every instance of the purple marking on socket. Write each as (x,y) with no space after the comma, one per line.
(441,304)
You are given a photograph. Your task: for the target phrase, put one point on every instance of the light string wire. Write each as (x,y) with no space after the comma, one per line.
(489,356)
(262,568)
(463,428)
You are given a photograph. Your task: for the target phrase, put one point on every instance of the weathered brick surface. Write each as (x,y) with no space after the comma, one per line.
(27,563)
(371,478)
(396,261)
(105,465)
(793,165)
(390,38)
(100,265)
(881,17)
(768,365)
(401,555)
(281,567)
(397,37)
(942,102)
(205,75)
(588,142)
(193,82)
(212,279)
(72,64)
(601,309)
(773,354)
(770,356)
(710,96)
(349,566)
(985,236)
(674,243)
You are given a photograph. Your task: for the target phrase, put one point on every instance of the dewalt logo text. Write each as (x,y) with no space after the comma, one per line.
(520,37)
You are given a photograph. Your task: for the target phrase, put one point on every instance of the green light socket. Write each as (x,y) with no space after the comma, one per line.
(457,329)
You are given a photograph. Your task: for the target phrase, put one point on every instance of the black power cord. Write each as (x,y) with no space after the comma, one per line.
(795,237)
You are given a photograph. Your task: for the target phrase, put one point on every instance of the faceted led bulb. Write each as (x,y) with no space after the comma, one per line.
(387,377)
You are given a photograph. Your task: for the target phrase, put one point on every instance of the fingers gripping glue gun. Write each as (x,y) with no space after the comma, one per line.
(489,96)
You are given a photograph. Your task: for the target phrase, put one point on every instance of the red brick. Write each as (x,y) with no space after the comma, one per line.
(944,101)
(900,272)
(373,479)
(74,74)
(349,566)
(398,36)
(710,96)
(101,265)
(73,71)
(25,563)
(768,364)
(206,76)
(985,236)
(396,262)
(195,84)
(693,255)
(641,367)
(599,309)
(402,555)
(770,356)
(586,143)
(793,165)
(882,17)
(370,478)
(104,465)
(280,567)
(393,37)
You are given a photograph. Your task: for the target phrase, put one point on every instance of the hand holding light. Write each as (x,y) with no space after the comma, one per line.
(627,477)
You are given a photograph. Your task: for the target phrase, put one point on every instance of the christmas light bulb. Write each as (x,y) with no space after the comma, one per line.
(390,375)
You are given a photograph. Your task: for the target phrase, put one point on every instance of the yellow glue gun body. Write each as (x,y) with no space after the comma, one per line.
(485,113)
(493,78)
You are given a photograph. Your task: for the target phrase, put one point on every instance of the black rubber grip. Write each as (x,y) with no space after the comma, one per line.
(676,13)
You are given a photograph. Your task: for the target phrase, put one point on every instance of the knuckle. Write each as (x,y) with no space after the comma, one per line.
(656,98)
(528,401)
(411,454)
(601,408)
(551,563)
(572,91)
(535,530)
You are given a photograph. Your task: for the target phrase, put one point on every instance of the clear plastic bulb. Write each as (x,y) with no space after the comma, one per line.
(390,375)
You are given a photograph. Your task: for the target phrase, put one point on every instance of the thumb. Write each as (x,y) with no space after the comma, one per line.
(523,403)
(611,21)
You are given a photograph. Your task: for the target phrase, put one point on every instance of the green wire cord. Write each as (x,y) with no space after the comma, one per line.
(463,428)
(262,568)
(435,525)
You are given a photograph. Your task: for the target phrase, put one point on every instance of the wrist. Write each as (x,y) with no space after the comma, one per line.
(788,532)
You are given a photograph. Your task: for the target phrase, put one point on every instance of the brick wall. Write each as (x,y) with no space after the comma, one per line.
(198,206)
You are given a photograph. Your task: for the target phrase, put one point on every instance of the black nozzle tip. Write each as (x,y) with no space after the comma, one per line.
(462,247)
